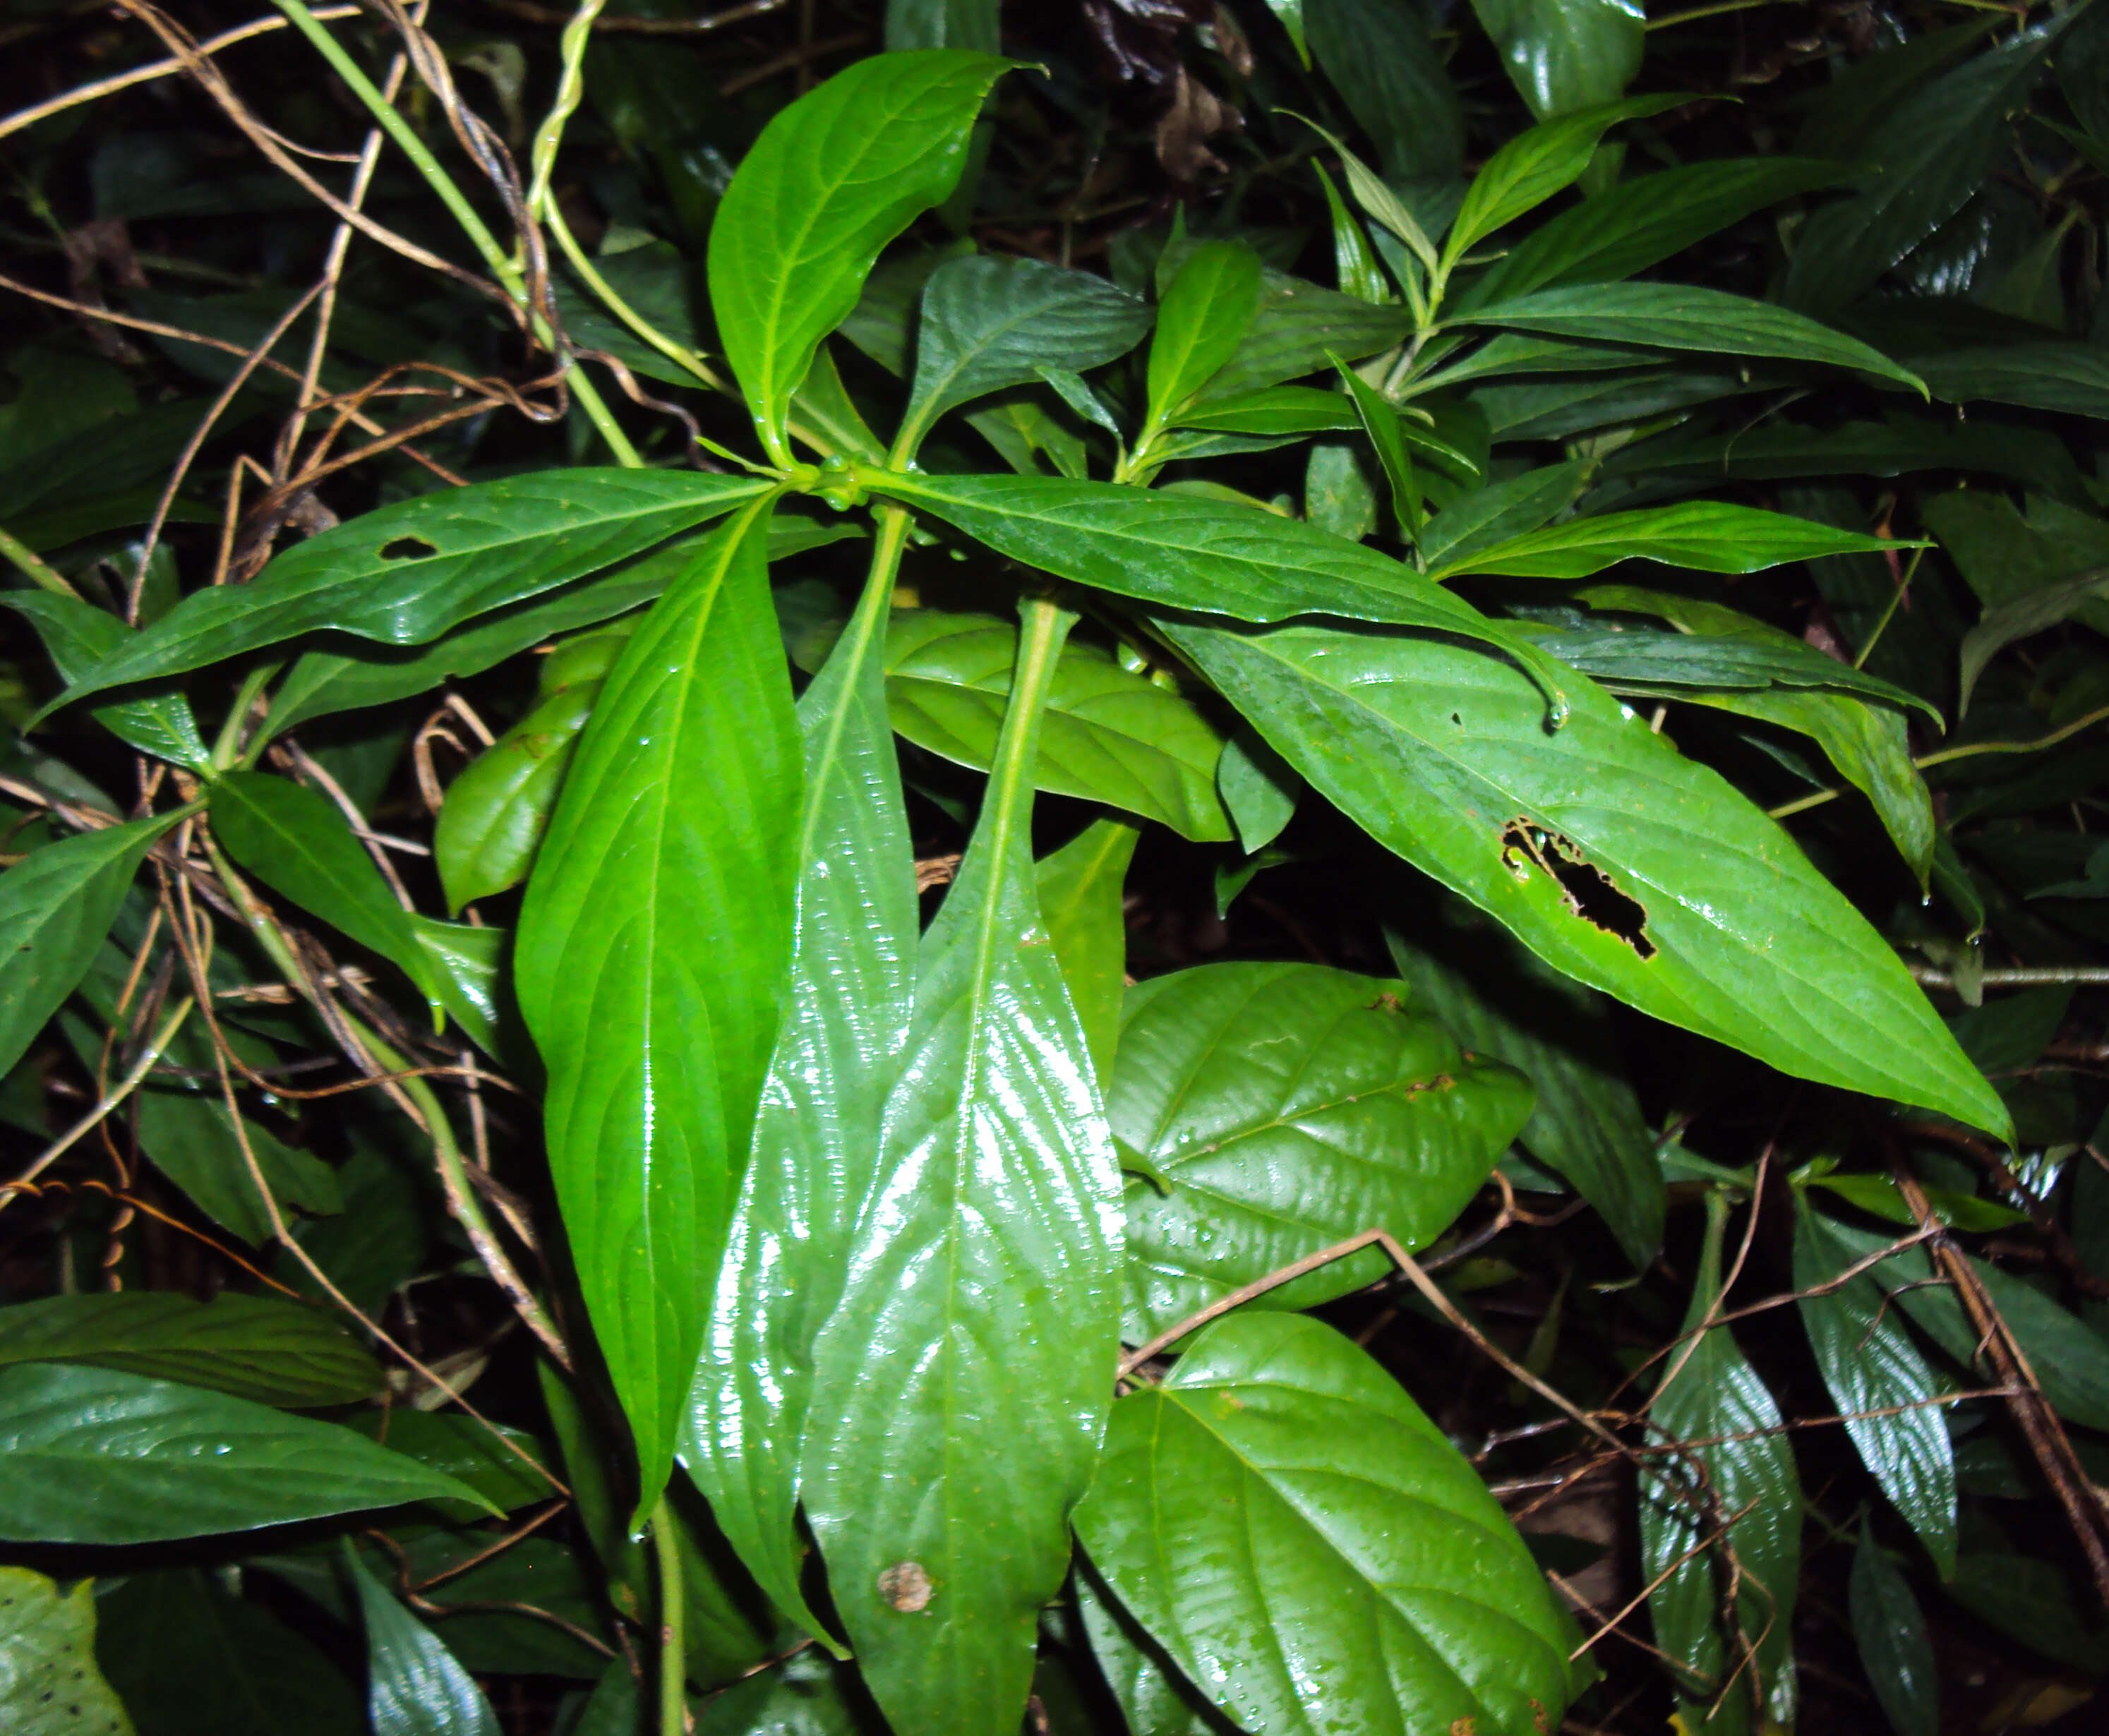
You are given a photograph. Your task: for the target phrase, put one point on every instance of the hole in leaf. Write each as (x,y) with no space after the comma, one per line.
(407,548)
(1589,891)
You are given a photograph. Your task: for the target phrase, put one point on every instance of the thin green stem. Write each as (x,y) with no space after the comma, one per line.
(1698,12)
(679,354)
(33,567)
(228,749)
(1947,755)
(1896,601)
(673,1639)
(570,85)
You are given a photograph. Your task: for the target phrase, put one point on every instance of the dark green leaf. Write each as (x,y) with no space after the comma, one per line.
(2071,377)
(481,1455)
(1154,1697)
(942,23)
(1381,60)
(1709,536)
(1353,262)
(1290,1107)
(415,1687)
(408,573)
(1258,787)
(1248,1510)
(1274,409)
(1642,657)
(250,1347)
(1380,421)
(1612,857)
(1895,1647)
(1483,517)
(49,1684)
(1563,55)
(1200,323)
(1080,892)
(95,1456)
(833,179)
(2018,620)
(1298,329)
(667,885)
(807,1695)
(78,637)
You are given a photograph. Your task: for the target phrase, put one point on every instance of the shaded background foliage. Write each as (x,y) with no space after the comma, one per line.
(1925,179)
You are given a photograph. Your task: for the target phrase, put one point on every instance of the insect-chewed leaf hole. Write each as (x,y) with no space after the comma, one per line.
(1589,891)
(407,548)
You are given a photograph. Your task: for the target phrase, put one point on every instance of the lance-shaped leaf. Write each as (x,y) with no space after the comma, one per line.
(410,572)
(97,1456)
(962,1383)
(1561,54)
(1668,316)
(1251,1513)
(1871,1366)
(1533,166)
(1273,410)
(414,1685)
(55,906)
(1709,536)
(1483,516)
(1285,1107)
(651,961)
(816,1139)
(1080,887)
(989,324)
(49,1684)
(1734,1489)
(1381,420)
(77,636)
(1610,854)
(833,179)
(1205,311)
(1894,1646)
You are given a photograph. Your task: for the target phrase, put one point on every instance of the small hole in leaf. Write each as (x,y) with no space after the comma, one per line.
(407,548)
(1589,891)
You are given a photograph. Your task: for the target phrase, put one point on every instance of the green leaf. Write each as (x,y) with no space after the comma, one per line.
(49,1684)
(1879,1195)
(496,810)
(667,885)
(97,1456)
(1154,1697)
(942,23)
(415,1687)
(1535,165)
(1354,263)
(1483,517)
(833,179)
(1298,330)
(1667,316)
(470,978)
(1612,857)
(55,906)
(1110,735)
(1201,321)
(77,636)
(1870,1363)
(1274,409)
(1290,1106)
(1382,61)
(1890,1629)
(1644,657)
(991,323)
(1388,210)
(1498,999)
(408,573)
(1742,1487)
(806,1695)
(2020,619)
(478,1455)
(1642,222)
(1708,536)
(2070,377)
(249,1347)
(1248,1513)
(1258,787)
(1563,55)
(816,1135)
(1380,421)
(1080,891)
(973,1347)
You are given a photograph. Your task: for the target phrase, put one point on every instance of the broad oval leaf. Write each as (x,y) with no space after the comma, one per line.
(1107,736)
(247,1347)
(831,179)
(1285,1107)
(414,1686)
(410,572)
(1613,857)
(55,906)
(1312,1553)
(650,962)
(49,1683)
(97,1456)
(961,1385)
(1204,315)
(1666,316)
(1709,536)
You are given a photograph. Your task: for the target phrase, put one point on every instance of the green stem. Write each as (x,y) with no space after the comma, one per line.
(33,567)
(228,749)
(1969,750)
(570,85)
(678,354)
(673,1640)
(1896,599)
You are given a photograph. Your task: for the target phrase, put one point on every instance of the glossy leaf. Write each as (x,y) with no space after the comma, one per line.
(1498,999)
(1274,409)
(55,906)
(1667,316)
(973,1347)
(1535,165)
(1284,1107)
(1890,1629)
(1870,1363)
(1709,536)
(1483,517)
(415,1687)
(77,636)
(941,24)
(1298,330)
(1649,657)
(1382,61)
(833,179)
(97,1456)
(49,1684)
(1109,735)
(1354,263)
(1612,857)
(247,1347)
(989,324)
(1380,421)
(1258,787)
(2070,377)
(667,887)
(1387,209)
(408,573)
(1154,1697)
(1080,888)
(816,1136)
(1563,55)
(1247,1512)
(1740,1486)
(1200,323)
